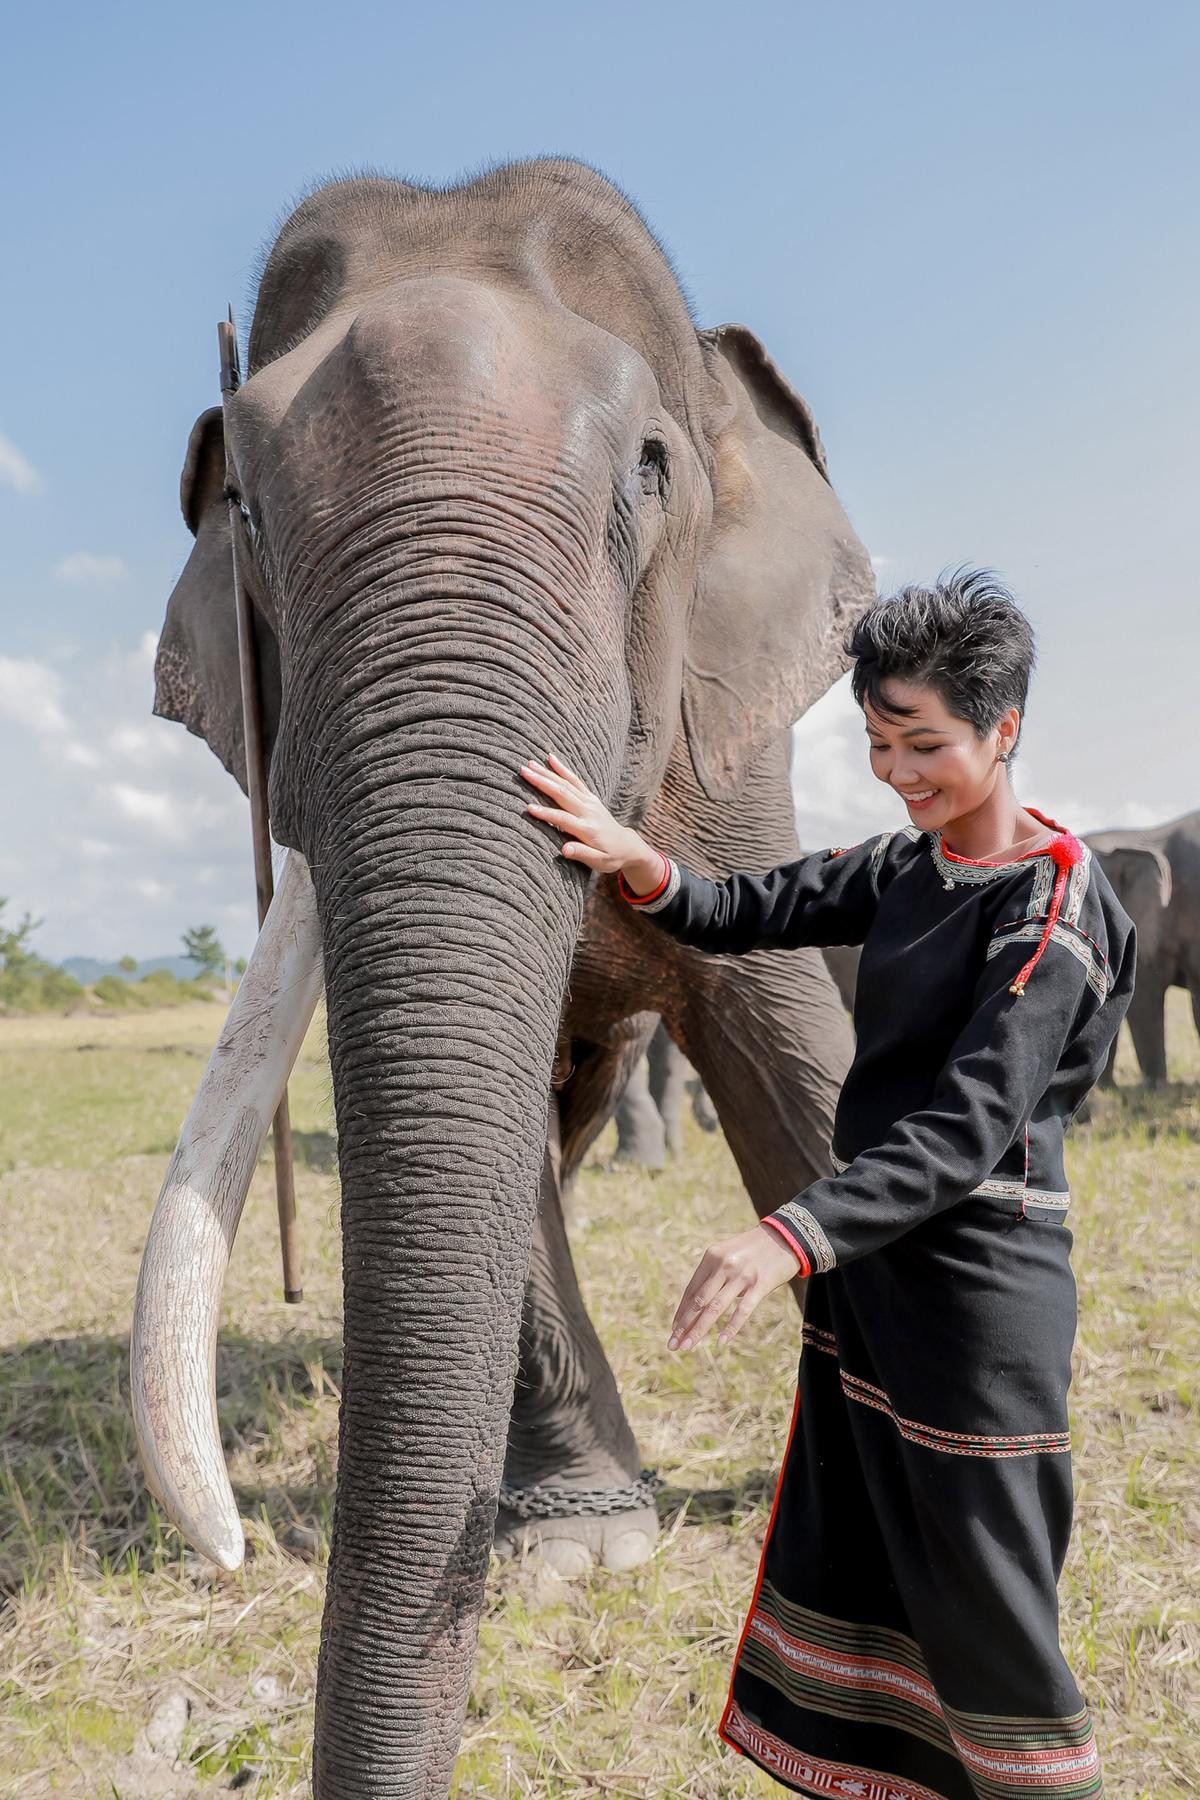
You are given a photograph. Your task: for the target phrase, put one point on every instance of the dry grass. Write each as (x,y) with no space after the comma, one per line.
(129,1669)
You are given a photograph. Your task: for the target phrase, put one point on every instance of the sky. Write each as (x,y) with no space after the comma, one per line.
(966,233)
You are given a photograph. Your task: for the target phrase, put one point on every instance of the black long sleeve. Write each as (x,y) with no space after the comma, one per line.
(829,897)
(998,1071)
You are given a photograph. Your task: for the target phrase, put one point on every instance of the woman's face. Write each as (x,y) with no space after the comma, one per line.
(937,764)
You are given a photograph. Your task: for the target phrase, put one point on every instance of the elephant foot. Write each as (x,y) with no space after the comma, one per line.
(572,1545)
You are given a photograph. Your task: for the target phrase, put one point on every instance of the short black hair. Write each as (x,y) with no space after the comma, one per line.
(965,636)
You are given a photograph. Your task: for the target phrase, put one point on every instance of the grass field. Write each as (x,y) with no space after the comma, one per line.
(130,1670)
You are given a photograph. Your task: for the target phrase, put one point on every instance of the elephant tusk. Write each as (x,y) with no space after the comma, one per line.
(173,1344)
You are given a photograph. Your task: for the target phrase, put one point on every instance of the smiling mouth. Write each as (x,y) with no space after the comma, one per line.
(921,799)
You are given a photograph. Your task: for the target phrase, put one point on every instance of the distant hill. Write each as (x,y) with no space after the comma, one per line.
(89,969)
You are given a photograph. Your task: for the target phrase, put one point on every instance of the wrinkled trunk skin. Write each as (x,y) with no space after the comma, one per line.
(448,924)
(438,1202)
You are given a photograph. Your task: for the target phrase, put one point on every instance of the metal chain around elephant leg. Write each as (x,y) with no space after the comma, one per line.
(544,1502)
(574,1491)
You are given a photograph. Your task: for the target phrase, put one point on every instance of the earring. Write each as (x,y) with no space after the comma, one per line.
(1002,756)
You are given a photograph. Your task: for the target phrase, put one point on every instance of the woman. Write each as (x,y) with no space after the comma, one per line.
(902,1642)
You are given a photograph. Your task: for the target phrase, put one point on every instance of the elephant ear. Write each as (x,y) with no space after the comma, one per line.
(782,575)
(1140,876)
(196,675)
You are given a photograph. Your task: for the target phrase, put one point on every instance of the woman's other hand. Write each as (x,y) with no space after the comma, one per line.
(594,836)
(736,1273)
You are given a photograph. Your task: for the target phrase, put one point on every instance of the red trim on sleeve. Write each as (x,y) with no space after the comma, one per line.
(793,1244)
(627,893)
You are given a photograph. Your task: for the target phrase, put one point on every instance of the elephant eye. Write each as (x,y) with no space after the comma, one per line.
(247,517)
(654,473)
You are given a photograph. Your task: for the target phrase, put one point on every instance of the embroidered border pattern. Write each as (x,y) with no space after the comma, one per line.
(876,862)
(966,874)
(934,1437)
(1007,1757)
(874,1675)
(1029,930)
(879,853)
(997,1187)
(875,1683)
(1040,1199)
(813,1775)
(1077,887)
(668,893)
(821,1252)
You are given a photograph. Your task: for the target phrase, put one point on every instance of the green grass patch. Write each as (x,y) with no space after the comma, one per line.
(606,1686)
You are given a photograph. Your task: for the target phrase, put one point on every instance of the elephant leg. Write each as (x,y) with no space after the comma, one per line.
(1196,1004)
(668,1080)
(641,1137)
(568,1432)
(769,1037)
(1147,1025)
(1108,1078)
(587,1100)
(703,1110)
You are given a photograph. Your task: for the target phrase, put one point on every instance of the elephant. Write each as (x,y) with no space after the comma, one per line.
(493,492)
(650,1110)
(1155,874)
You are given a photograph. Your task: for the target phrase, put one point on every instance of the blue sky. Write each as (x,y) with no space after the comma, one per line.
(967,233)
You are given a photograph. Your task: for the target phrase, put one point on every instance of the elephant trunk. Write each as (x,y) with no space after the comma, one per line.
(446,962)
(448,925)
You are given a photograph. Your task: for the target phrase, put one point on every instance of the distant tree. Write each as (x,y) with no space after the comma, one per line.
(15,953)
(239,967)
(27,983)
(128,964)
(202,946)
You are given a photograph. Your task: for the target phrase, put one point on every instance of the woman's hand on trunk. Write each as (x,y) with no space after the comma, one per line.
(736,1273)
(594,836)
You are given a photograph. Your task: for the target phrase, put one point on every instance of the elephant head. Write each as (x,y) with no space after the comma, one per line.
(1140,876)
(497,494)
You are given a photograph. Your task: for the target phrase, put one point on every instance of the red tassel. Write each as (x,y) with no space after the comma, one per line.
(1066,851)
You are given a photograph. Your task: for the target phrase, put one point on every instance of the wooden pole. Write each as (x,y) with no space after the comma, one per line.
(260,829)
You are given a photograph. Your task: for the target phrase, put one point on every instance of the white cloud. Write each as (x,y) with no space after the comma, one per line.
(1082,816)
(137,742)
(881,563)
(147,806)
(129,740)
(116,812)
(151,889)
(837,799)
(81,756)
(31,695)
(16,471)
(85,568)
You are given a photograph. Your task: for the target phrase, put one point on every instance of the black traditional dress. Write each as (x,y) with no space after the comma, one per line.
(902,1642)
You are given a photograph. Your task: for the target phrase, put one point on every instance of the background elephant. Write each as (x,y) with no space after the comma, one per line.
(1156,876)
(649,1112)
(496,493)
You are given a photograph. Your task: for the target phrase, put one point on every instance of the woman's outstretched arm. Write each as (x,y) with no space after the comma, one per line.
(826,898)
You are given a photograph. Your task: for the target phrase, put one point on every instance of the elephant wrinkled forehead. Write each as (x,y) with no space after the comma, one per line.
(445,349)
